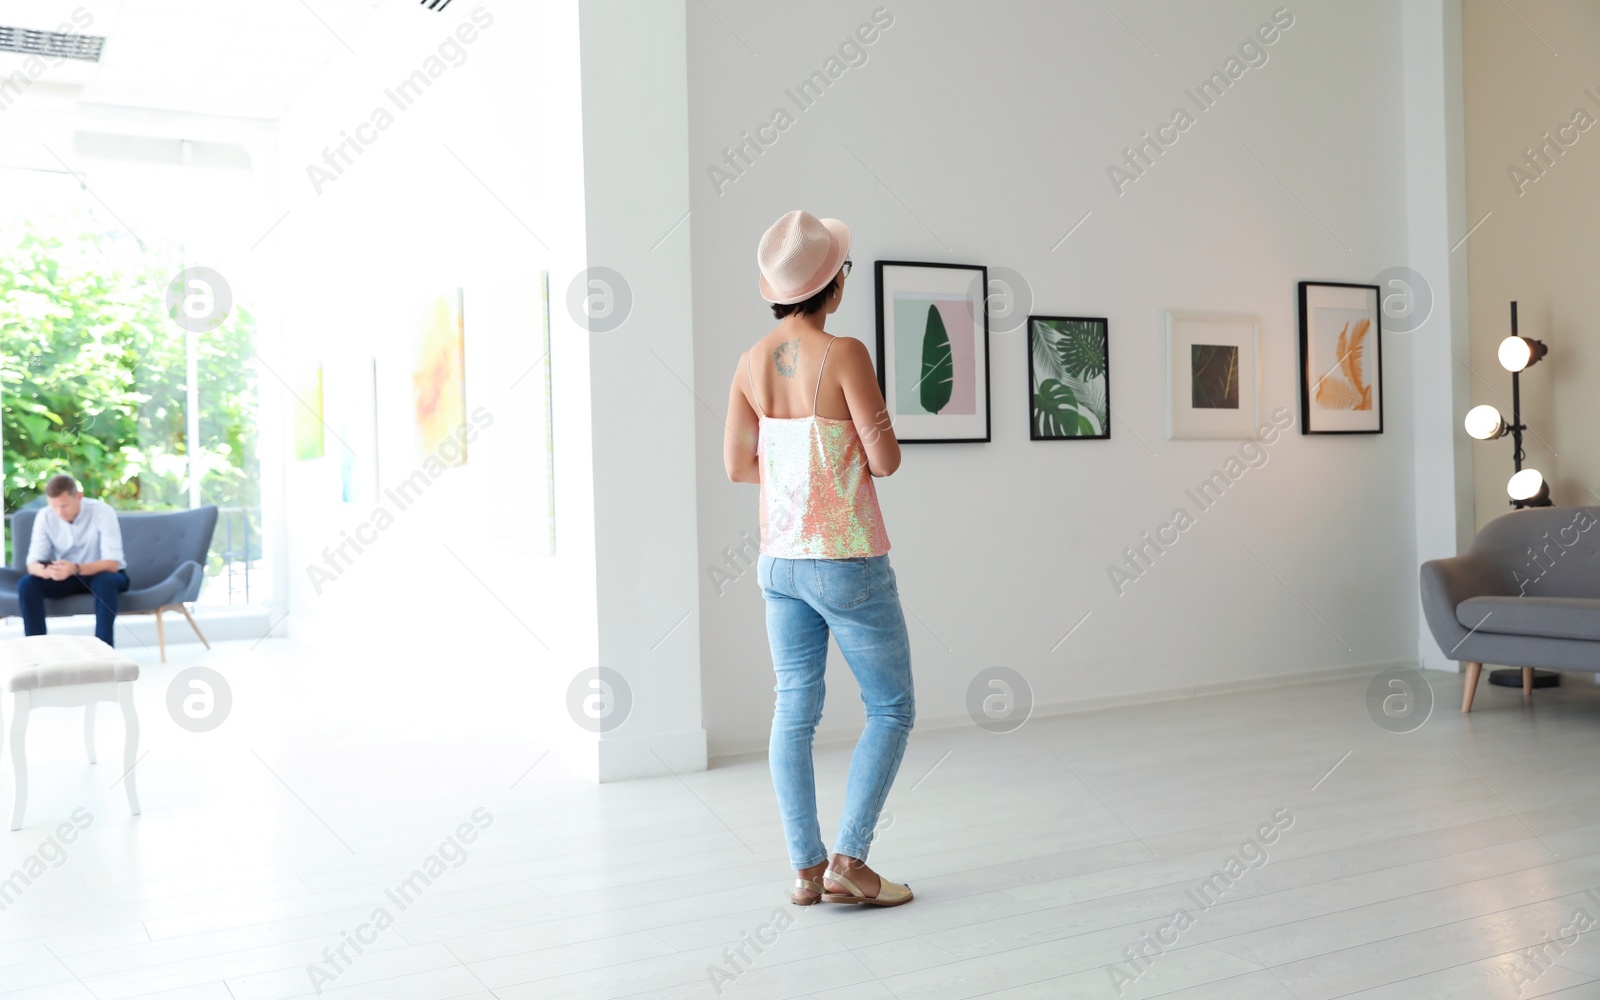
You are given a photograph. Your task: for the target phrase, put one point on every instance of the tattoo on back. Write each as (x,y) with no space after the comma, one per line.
(786,357)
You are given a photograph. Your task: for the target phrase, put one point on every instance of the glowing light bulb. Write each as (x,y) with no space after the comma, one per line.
(1515,354)
(1485,423)
(1525,485)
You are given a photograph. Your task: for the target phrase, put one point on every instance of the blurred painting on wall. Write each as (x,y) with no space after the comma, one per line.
(308,413)
(545,493)
(353,413)
(438,378)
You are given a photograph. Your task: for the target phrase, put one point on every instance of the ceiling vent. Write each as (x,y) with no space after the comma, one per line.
(436,4)
(67,45)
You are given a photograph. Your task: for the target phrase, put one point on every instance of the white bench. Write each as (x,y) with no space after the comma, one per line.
(65,671)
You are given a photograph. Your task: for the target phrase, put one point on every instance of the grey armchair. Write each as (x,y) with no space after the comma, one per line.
(165,554)
(1525,593)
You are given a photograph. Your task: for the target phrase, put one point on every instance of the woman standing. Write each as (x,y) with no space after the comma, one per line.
(807,421)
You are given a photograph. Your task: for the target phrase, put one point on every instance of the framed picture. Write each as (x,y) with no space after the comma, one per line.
(542,499)
(308,422)
(933,349)
(438,377)
(1341,359)
(1211,375)
(1069,382)
(353,422)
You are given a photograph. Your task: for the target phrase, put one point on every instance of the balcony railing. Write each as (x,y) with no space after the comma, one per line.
(235,549)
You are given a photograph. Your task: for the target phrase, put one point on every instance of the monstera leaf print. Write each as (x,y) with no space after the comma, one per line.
(1069,365)
(1058,413)
(1091,399)
(938,368)
(1082,352)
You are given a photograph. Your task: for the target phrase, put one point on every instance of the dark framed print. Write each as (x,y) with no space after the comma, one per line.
(1341,358)
(1211,375)
(933,350)
(1069,378)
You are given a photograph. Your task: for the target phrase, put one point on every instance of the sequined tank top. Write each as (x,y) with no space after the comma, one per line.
(817,496)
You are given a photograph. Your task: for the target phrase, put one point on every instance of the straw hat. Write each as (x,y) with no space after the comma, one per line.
(799,255)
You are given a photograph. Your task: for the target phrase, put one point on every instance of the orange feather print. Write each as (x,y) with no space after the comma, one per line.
(1351,391)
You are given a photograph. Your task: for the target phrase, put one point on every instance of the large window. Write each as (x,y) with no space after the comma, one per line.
(97,379)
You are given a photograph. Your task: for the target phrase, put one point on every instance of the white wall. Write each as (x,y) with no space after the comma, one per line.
(523,157)
(478,184)
(1537,243)
(983,135)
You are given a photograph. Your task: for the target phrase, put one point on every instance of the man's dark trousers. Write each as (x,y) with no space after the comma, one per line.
(33,590)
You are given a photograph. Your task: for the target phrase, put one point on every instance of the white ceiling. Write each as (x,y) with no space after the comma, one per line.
(244,58)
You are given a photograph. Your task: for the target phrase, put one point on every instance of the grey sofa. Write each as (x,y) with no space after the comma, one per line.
(1526,593)
(165,557)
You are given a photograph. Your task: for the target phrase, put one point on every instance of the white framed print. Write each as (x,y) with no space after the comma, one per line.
(1212,375)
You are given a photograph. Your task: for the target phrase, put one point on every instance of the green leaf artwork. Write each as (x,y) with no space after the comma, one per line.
(1082,351)
(1069,378)
(938,367)
(1055,407)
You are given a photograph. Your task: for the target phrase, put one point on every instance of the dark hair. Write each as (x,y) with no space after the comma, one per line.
(807,306)
(60,484)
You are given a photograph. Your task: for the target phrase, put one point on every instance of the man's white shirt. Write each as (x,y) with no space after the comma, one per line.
(94,536)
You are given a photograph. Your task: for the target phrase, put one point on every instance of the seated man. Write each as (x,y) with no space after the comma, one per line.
(76,548)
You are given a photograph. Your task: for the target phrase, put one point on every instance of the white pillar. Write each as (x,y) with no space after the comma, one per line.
(1436,198)
(643,399)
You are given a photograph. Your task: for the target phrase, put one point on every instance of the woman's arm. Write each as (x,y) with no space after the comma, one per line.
(739,439)
(859,380)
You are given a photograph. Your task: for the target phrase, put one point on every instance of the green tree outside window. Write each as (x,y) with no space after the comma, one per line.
(93,379)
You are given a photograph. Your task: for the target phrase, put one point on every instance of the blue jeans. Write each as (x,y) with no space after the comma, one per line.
(32,591)
(856,600)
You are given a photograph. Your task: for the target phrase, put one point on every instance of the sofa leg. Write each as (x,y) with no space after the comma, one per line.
(1527,682)
(193,624)
(1473,670)
(161,635)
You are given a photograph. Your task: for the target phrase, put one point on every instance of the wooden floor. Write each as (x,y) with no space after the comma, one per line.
(1408,866)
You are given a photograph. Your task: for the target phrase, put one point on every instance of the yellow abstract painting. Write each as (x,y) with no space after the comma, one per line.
(438,379)
(308,443)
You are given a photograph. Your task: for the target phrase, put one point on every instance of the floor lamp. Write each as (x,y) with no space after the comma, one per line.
(1526,487)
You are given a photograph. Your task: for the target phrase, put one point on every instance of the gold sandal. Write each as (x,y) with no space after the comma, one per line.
(804,883)
(889,893)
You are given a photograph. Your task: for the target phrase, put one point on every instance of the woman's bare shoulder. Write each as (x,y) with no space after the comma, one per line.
(850,351)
